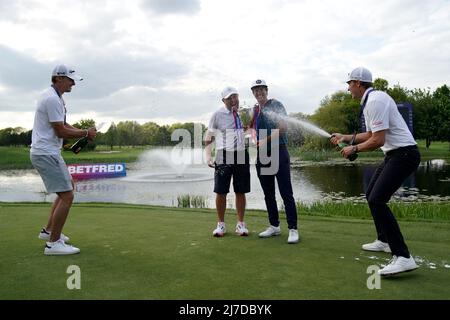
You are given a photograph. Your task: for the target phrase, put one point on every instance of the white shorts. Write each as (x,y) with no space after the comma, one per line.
(53,171)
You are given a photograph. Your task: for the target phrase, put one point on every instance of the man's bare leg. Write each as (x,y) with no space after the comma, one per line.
(221,204)
(48,227)
(60,214)
(240,206)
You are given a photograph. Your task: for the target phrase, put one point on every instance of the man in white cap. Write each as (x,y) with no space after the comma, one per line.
(49,130)
(272,141)
(387,130)
(232,160)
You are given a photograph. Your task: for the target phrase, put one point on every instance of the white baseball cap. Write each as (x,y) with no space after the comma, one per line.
(362,74)
(63,71)
(257,83)
(228,91)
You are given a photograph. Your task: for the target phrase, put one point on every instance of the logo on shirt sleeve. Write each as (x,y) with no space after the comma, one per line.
(377,124)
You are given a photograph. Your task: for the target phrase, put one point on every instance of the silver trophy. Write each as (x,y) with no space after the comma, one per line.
(246,116)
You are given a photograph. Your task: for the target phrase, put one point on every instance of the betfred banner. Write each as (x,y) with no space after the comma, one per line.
(97,170)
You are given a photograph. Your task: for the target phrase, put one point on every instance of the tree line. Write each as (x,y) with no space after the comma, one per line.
(124,133)
(336,113)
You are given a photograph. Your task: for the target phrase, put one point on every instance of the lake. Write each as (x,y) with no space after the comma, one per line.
(152,181)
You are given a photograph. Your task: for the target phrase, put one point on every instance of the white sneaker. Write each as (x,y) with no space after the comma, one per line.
(270,232)
(293,236)
(45,235)
(59,248)
(241,229)
(377,245)
(398,265)
(220,230)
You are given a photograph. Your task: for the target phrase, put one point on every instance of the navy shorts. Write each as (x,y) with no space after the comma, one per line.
(234,165)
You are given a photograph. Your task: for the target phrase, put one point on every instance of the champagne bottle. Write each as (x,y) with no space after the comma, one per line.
(80,144)
(351,157)
(342,145)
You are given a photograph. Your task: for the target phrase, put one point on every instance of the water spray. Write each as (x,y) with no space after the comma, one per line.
(308,126)
(305,125)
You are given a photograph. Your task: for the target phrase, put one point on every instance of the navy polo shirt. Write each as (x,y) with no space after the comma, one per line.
(269,119)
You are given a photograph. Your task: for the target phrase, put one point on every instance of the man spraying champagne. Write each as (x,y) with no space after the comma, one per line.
(387,130)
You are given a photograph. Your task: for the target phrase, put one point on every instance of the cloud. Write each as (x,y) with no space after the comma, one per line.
(170,59)
(172,6)
(146,103)
(112,71)
(19,70)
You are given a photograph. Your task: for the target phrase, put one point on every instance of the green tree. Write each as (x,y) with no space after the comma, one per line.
(431,114)
(441,98)
(130,133)
(189,126)
(111,136)
(423,118)
(17,136)
(85,124)
(381,84)
(5,136)
(338,113)
(163,136)
(150,133)
(399,93)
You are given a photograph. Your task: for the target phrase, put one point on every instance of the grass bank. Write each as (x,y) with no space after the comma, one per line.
(142,252)
(436,211)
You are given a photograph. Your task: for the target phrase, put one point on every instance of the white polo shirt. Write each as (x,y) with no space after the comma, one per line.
(381,113)
(50,108)
(222,127)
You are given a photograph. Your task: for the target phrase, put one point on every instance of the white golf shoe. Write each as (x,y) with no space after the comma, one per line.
(377,245)
(45,235)
(398,265)
(293,236)
(241,229)
(270,232)
(59,248)
(220,230)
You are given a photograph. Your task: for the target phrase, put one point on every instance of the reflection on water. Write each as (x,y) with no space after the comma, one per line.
(430,179)
(310,184)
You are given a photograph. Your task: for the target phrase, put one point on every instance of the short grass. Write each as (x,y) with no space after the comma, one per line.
(142,252)
(437,150)
(359,209)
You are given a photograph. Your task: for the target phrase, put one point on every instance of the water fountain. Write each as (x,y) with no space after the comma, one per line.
(174,165)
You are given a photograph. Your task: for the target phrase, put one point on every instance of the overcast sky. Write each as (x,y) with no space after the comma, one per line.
(168,60)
